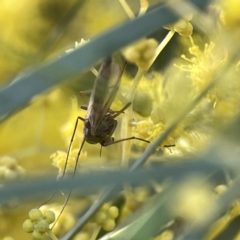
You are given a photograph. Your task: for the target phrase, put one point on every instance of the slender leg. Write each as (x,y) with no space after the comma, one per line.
(122,110)
(84,107)
(122,140)
(74,173)
(70,145)
(84,93)
(169,145)
(65,166)
(110,139)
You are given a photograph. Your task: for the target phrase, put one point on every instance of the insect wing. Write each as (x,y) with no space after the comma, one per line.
(104,91)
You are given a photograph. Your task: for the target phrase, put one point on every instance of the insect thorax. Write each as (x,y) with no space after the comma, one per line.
(102,133)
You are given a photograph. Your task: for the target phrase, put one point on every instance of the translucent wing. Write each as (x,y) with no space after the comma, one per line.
(104,91)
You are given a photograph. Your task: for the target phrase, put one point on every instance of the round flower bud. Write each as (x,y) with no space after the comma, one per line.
(100,217)
(37,235)
(7,238)
(35,214)
(141,45)
(105,207)
(109,225)
(220,189)
(152,43)
(49,216)
(180,25)
(82,236)
(28,226)
(148,54)
(187,31)
(184,28)
(113,212)
(131,54)
(42,226)
(142,104)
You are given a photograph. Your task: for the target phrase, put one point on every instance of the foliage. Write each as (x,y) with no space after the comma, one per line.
(184,184)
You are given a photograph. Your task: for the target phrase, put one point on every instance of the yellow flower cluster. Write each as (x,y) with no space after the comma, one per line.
(10,169)
(148,130)
(134,198)
(59,160)
(141,53)
(220,189)
(167,97)
(203,65)
(105,217)
(183,26)
(82,236)
(66,220)
(38,223)
(221,102)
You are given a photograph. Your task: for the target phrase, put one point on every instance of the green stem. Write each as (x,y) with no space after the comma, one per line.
(162,45)
(126,131)
(134,86)
(52,235)
(95,233)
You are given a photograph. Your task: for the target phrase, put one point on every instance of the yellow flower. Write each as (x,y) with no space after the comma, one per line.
(105,217)
(204,65)
(10,169)
(231,14)
(141,52)
(59,160)
(65,221)
(183,26)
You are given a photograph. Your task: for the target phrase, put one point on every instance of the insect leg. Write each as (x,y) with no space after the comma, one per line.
(121,111)
(70,145)
(109,139)
(65,166)
(74,173)
(169,145)
(124,139)
(84,93)
(84,107)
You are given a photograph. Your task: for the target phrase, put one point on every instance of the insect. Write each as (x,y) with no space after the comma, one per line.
(100,122)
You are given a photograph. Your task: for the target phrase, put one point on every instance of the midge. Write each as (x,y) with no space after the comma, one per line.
(100,122)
